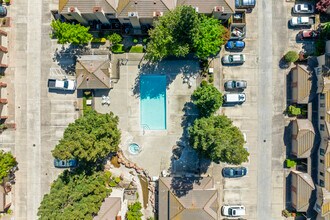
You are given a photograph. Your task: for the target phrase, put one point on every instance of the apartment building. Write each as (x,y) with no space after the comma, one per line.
(322,205)
(136,14)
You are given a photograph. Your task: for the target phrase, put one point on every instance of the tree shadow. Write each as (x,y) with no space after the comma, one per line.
(181,186)
(185,161)
(66,57)
(170,68)
(283,64)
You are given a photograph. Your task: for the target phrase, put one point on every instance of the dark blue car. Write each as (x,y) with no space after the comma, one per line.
(235,45)
(234,172)
(65,163)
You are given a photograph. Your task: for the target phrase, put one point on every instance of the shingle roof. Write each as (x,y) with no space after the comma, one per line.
(305,136)
(110,208)
(92,72)
(302,92)
(208,6)
(86,6)
(200,201)
(304,186)
(144,8)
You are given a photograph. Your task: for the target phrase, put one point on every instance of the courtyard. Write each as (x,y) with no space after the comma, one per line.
(125,103)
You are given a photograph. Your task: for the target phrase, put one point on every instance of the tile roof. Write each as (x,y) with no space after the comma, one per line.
(198,201)
(208,6)
(92,72)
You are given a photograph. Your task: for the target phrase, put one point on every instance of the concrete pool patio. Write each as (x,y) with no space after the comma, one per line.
(125,103)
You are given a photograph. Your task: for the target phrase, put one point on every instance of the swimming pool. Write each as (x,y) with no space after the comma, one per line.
(153,102)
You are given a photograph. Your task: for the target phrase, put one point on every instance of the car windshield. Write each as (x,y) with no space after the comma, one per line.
(233,84)
(230,211)
(66,84)
(299,7)
(230,58)
(299,19)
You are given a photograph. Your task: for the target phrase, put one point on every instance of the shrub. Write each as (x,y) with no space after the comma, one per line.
(135,41)
(115,38)
(291,56)
(211,78)
(99,40)
(290,163)
(136,49)
(204,83)
(294,110)
(145,40)
(117,48)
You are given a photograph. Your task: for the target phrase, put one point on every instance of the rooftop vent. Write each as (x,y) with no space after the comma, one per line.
(72,9)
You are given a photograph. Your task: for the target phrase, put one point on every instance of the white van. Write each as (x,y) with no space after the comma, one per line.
(234,98)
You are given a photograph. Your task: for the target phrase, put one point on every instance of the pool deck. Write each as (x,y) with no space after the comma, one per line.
(125,103)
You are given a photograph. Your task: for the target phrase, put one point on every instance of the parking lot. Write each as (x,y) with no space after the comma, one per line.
(260,117)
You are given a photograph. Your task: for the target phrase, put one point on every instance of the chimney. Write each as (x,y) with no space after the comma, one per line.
(158,13)
(219,9)
(97,9)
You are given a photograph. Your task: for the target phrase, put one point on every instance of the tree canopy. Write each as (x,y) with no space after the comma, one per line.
(183,31)
(115,38)
(218,139)
(134,211)
(89,138)
(7,162)
(291,56)
(74,196)
(70,33)
(208,99)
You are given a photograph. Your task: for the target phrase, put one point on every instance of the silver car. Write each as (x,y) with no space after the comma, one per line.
(304,8)
(235,84)
(233,59)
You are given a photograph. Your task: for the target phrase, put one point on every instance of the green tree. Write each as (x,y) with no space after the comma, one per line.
(134,211)
(74,196)
(89,138)
(115,38)
(209,38)
(184,31)
(207,98)
(7,162)
(291,56)
(218,139)
(70,33)
(292,110)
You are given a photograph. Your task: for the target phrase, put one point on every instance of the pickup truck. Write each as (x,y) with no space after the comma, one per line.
(64,84)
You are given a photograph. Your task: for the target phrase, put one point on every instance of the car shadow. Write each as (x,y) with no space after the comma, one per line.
(60,91)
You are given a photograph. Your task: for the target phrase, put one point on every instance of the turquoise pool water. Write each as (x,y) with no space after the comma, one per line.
(153,102)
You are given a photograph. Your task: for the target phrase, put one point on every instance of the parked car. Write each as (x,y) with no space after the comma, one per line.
(308,34)
(235,45)
(245,3)
(300,21)
(304,8)
(65,163)
(3,11)
(64,84)
(234,98)
(233,59)
(235,84)
(233,210)
(234,172)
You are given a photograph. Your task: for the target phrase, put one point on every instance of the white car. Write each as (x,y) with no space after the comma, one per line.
(298,21)
(233,210)
(233,59)
(305,8)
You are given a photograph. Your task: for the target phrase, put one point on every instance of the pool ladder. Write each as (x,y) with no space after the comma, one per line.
(145,127)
